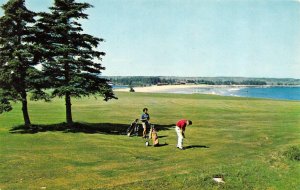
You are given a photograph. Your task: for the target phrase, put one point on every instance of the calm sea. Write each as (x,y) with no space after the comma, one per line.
(285,93)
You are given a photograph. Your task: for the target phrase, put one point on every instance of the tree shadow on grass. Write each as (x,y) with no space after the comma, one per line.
(162,136)
(196,146)
(160,145)
(89,128)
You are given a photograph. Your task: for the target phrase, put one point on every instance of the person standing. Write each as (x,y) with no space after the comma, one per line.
(180,130)
(145,121)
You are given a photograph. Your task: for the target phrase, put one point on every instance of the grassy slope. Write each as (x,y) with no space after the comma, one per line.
(246,138)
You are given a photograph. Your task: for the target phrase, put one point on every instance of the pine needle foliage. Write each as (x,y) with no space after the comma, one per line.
(18,58)
(73,61)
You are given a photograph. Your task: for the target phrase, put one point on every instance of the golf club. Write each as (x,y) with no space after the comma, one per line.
(187,143)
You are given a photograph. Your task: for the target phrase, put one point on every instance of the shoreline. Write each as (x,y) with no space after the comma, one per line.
(163,88)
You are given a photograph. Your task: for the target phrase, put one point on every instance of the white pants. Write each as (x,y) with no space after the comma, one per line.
(180,137)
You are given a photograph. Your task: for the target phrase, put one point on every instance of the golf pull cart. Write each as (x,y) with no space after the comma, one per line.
(133,128)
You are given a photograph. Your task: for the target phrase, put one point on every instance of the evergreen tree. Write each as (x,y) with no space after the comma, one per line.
(18,57)
(73,62)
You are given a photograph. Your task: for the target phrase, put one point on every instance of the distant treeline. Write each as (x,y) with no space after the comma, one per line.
(140,81)
(231,82)
(149,80)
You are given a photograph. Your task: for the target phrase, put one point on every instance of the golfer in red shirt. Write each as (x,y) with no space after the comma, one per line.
(180,129)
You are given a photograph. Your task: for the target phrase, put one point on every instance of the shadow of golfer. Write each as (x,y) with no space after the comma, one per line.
(196,146)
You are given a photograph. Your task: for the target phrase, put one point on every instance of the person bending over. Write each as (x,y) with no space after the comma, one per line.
(180,130)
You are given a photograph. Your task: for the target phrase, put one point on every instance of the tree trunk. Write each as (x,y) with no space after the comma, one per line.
(25,109)
(69,110)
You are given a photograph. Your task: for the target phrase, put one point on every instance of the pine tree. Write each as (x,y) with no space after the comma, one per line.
(18,57)
(73,63)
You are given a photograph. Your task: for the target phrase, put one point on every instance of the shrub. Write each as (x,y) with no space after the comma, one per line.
(131,89)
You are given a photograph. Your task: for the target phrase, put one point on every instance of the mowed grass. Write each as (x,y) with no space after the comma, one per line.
(241,139)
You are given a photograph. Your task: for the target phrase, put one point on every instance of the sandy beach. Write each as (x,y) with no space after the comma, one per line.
(166,88)
(162,88)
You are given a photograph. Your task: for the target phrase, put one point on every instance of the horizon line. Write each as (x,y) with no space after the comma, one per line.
(199,76)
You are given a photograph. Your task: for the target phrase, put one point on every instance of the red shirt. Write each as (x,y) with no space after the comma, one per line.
(181,124)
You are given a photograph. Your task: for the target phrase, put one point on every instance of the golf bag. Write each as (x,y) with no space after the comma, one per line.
(153,135)
(133,128)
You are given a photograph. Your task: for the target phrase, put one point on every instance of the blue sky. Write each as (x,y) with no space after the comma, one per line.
(249,38)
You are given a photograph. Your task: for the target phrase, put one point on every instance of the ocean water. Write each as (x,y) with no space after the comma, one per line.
(119,86)
(273,92)
(284,93)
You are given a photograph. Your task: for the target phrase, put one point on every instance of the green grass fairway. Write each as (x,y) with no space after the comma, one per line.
(244,140)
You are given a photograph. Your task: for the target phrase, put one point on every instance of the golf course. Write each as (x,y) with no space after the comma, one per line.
(249,143)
